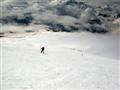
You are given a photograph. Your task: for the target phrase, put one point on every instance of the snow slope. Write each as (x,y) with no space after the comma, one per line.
(71,61)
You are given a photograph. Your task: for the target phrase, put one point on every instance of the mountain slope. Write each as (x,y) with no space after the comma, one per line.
(71,61)
(94,16)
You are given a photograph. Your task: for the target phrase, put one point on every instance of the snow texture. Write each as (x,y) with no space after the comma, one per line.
(72,61)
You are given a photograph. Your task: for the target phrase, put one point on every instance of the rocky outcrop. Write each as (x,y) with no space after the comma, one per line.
(61,15)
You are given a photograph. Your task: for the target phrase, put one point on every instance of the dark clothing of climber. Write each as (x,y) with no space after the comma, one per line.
(42,49)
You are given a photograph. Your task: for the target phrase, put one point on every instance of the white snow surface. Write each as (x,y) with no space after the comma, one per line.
(72,61)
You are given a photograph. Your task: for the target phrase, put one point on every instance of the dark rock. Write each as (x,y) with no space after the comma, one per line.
(95,21)
(1,35)
(96,29)
(58,27)
(29,30)
(118,15)
(103,15)
(73,28)
(23,21)
(14,19)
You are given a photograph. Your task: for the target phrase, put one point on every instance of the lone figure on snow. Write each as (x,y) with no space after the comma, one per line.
(42,50)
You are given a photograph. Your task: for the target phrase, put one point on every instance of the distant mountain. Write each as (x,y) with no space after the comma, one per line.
(62,15)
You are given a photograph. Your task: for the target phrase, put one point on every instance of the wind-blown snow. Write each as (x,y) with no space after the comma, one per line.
(71,61)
